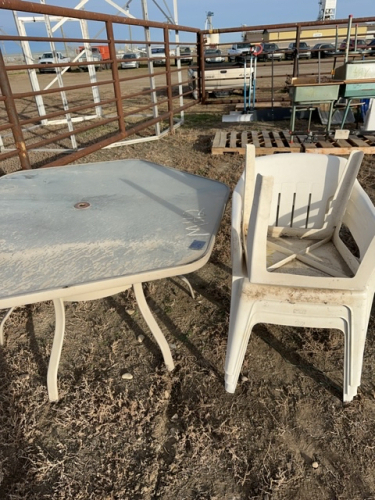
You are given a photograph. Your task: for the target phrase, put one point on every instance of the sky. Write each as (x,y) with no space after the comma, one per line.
(227,13)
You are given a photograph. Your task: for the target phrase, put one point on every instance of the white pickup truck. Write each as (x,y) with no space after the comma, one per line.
(237,50)
(47,58)
(220,80)
(159,56)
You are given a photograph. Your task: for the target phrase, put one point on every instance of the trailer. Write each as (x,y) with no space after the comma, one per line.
(103,50)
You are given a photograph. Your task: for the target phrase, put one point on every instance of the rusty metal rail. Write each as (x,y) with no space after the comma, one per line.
(13,116)
(44,117)
(118,103)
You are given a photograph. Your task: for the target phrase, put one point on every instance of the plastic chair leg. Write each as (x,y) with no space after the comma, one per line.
(355,339)
(58,340)
(240,327)
(153,326)
(8,313)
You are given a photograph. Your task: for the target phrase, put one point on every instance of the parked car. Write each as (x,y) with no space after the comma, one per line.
(304,51)
(158,56)
(271,51)
(130,60)
(371,45)
(47,58)
(97,58)
(360,47)
(185,56)
(213,56)
(237,50)
(325,49)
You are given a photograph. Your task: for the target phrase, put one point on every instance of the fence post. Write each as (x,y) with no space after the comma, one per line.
(296,55)
(115,76)
(11,110)
(200,62)
(168,79)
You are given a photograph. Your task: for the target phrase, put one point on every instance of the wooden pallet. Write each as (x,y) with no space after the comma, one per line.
(365,143)
(269,142)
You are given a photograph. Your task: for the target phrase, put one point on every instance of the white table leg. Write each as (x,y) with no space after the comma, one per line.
(9,312)
(154,327)
(185,280)
(56,350)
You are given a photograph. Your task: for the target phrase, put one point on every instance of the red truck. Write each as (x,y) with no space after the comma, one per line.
(104,52)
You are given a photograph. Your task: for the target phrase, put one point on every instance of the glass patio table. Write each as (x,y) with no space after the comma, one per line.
(83,232)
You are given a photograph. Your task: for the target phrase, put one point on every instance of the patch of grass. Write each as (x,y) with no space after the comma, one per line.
(202,120)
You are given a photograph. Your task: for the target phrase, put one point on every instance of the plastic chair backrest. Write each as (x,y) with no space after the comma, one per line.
(304,186)
(306,193)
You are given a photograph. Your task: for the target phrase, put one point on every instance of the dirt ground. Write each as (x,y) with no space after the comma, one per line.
(179,435)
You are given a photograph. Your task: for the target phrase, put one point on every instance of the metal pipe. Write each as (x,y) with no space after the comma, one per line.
(37,8)
(348,38)
(154,97)
(272,83)
(115,76)
(55,114)
(178,62)
(250,82)
(319,66)
(145,108)
(21,95)
(84,152)
(19,38)
(254,80)
(290,26)
(11,110)
(168,78)
(105,142)
(201,66)
(80,130)
(244,86)
(296,55)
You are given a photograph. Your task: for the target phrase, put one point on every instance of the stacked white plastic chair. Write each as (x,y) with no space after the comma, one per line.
(289,264)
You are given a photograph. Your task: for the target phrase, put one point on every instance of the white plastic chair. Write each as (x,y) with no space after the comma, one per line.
(289,264)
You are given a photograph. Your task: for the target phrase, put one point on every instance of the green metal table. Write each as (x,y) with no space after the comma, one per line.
(307,94)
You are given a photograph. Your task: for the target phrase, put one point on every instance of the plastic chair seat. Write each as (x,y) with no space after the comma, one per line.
(305,258)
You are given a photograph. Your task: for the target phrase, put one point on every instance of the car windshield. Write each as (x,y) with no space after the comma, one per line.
(158,51)
(302,45)
(270,46)
(47,55)
(352,42)
(243,45)
(185,50)
(212,51)
(129,56)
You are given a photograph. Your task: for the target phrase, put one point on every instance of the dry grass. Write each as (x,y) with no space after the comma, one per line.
(179,435)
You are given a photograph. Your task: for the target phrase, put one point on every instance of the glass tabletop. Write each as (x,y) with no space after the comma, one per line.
(66,226)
